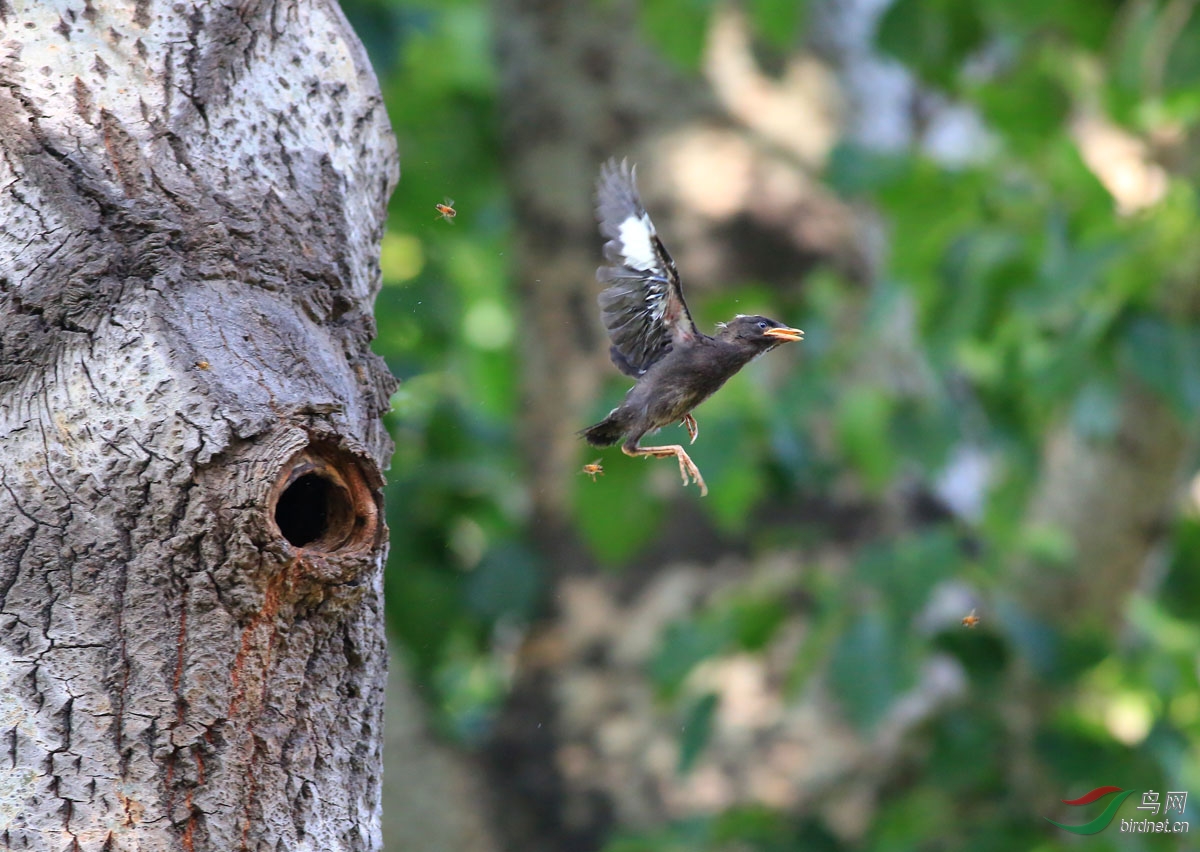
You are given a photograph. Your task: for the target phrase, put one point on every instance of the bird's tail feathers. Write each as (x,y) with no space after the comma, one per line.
(608,431)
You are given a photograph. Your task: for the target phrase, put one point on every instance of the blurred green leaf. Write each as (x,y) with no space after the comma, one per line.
(1132,43)
(982,650)
(980,268)
(1040,645)
(862,424)
(1027,102)
(906,569)
(735,482)
(755,619)
(1096,412)
(677,27)
(964,754)
(1166,356)
(917,810)
(697,728)
(779,21)
(867,669)
(382,26)
(505,583)
(685,644)
(616,514)
(423,605)
(1086,24)
(764,828)
(855,169)
(925,430)
(932,37)
(1181,586)
(1179,55)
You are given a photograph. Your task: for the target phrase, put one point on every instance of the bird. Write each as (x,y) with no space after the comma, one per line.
(653,337)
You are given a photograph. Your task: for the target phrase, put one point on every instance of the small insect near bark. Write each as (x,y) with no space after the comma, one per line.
(446,210)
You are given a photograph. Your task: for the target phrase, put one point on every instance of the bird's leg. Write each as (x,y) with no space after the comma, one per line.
(692,426)
(686,465)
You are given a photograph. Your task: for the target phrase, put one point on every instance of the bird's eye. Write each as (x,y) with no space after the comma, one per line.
(762,325)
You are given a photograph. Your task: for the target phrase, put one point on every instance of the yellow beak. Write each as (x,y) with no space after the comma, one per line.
(787,335)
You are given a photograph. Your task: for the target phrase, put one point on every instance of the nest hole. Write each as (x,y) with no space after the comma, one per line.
(322,502)
(312,508)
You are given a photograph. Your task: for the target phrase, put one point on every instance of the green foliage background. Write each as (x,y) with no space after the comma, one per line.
(1027,287)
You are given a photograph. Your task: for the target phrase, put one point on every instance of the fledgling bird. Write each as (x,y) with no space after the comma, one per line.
(654,340)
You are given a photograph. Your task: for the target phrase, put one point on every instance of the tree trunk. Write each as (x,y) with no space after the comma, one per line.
(191,634)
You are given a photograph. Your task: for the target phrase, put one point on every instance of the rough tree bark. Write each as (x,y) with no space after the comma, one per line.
(191,634)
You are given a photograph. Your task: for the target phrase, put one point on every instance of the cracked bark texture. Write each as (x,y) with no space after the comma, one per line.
(192,197)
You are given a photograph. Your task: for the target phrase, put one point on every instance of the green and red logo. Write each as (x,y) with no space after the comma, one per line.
(1101,822)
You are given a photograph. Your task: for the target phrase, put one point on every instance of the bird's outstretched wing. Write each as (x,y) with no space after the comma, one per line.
(642,307)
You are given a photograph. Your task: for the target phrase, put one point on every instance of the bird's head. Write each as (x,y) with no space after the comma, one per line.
(759,333)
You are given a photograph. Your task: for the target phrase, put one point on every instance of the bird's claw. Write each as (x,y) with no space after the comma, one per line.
(693,427)
(688,467)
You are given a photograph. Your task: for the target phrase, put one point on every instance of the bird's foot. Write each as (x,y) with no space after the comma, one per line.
(687,468)
(692,426)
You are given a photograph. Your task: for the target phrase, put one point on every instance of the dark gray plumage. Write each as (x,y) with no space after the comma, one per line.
(642,308)
(653,336)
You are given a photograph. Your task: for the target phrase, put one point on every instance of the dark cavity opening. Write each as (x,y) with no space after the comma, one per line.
(322,502)
(310,508)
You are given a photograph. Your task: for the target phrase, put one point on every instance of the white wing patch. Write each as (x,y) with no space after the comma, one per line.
(635,233)
(642,304)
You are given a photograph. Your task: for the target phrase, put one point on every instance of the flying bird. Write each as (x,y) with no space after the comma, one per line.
(653,337)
